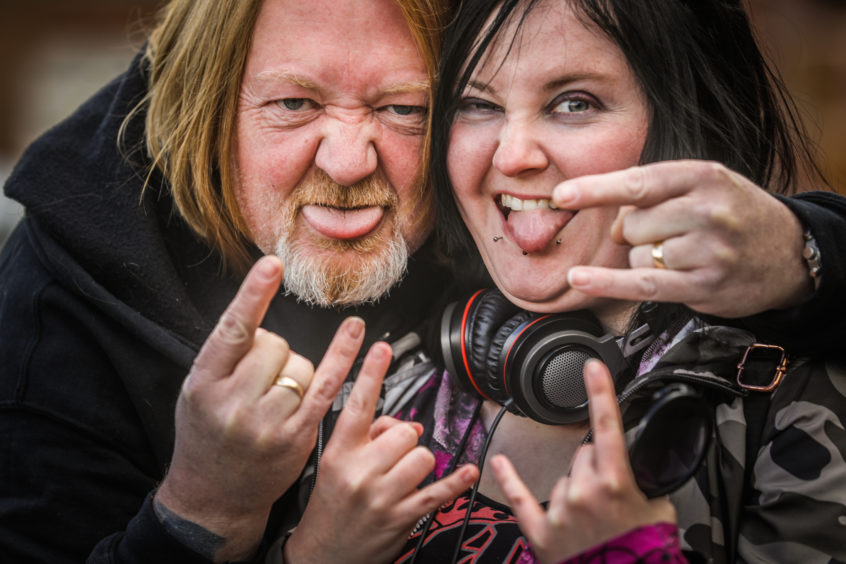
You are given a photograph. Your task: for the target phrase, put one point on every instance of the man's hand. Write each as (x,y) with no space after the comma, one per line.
(599,500)
(366,500)
(731,249)
(241,440)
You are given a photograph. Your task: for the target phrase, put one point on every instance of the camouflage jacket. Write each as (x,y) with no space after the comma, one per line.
(792,507)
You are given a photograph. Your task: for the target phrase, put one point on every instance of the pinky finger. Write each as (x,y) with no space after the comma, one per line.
(526,508)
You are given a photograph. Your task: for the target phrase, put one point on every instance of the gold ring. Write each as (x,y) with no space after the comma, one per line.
(290,384)
(658,256)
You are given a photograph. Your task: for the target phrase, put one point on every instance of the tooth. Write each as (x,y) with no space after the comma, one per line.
(516,204)
(543,204)
(552,205)
(529,205)
(505,200)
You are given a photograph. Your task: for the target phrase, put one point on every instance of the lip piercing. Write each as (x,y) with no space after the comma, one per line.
(558,242)
(525,253)
(497,238)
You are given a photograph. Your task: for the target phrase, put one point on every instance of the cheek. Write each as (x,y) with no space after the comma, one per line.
(469,158)
(608,151)
(400,157)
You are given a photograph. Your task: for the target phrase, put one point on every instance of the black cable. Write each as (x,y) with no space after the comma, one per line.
(475,489)
(452,465)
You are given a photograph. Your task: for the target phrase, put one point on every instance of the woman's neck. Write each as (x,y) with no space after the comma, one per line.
(615,316)
(540,453)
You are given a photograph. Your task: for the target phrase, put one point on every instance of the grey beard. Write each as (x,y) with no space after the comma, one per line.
(317,281)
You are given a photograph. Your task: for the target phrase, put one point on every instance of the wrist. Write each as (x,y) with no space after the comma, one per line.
(217,535)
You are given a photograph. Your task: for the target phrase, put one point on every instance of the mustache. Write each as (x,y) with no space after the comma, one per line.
(321,190)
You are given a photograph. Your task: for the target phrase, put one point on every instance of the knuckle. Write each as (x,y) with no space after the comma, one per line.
(635,183)
(724,216)
(576,497)
(647,285)
(230,329)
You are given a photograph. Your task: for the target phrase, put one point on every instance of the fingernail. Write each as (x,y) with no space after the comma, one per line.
(467,472)
(380,350)
(268,267)
(564,194)
(578,277)
(418,428)
(355,327)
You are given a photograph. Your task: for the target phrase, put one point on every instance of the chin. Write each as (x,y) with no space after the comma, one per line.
(545,301)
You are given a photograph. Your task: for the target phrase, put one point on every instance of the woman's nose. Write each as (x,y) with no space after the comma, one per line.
(519,150)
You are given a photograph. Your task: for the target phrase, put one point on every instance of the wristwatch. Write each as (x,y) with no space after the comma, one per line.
(813,258)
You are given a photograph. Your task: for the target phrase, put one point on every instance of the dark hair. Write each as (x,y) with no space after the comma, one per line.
(711,94)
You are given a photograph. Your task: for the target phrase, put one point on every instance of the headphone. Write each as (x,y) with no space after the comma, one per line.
(496,350)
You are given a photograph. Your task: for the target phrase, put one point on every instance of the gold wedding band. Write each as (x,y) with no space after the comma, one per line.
(290,384)
(658,256)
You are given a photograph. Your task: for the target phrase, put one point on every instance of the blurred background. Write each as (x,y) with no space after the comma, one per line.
(55,53)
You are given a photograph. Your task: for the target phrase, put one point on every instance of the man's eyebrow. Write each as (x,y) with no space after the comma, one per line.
(293,78)
(404,87)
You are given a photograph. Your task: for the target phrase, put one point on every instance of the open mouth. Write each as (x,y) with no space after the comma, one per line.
(508,203)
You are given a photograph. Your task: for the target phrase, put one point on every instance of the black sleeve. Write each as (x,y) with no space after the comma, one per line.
(78,464)
(816,327)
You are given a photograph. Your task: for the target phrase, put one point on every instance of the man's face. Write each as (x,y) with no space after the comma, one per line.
(330,129)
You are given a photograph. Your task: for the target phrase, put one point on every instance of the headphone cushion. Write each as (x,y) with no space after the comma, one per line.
(494,365)
(487,313)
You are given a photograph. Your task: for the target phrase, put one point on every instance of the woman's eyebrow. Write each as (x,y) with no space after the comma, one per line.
(481,86)
(570,78)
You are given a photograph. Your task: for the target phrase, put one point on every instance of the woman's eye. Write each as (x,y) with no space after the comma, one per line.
(296,104)
(476,105)
(573,106)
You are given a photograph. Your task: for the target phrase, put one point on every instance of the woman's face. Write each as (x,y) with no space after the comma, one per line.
(562,103)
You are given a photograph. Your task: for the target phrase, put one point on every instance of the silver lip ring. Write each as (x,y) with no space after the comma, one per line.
(658,256)
(289,384)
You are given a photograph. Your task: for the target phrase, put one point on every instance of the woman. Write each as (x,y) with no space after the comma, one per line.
(535,94)
(520,98)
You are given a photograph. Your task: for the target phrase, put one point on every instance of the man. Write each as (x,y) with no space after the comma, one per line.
(281,127)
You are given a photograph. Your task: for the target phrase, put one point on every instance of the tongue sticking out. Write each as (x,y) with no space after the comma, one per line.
(336,223)
(534,230)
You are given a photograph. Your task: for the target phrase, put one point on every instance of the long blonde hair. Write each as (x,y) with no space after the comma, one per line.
(196,57)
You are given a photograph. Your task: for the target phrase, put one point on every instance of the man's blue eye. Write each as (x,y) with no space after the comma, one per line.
(405,110)
(293,103)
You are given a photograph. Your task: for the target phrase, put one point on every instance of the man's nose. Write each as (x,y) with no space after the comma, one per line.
(347,152)
(519,150)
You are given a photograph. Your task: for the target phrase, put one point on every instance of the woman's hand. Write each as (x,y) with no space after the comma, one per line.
(243,434)
(599,500)
(722,237)
(366,501)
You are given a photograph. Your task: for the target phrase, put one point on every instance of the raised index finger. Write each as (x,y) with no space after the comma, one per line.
(605,418)
(233,335)
(640,186)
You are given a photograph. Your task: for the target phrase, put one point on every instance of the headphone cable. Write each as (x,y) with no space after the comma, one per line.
(475,489)
(452,465)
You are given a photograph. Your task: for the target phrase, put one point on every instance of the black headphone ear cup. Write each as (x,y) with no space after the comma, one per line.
(494,366)
(486,315)
(466,331)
